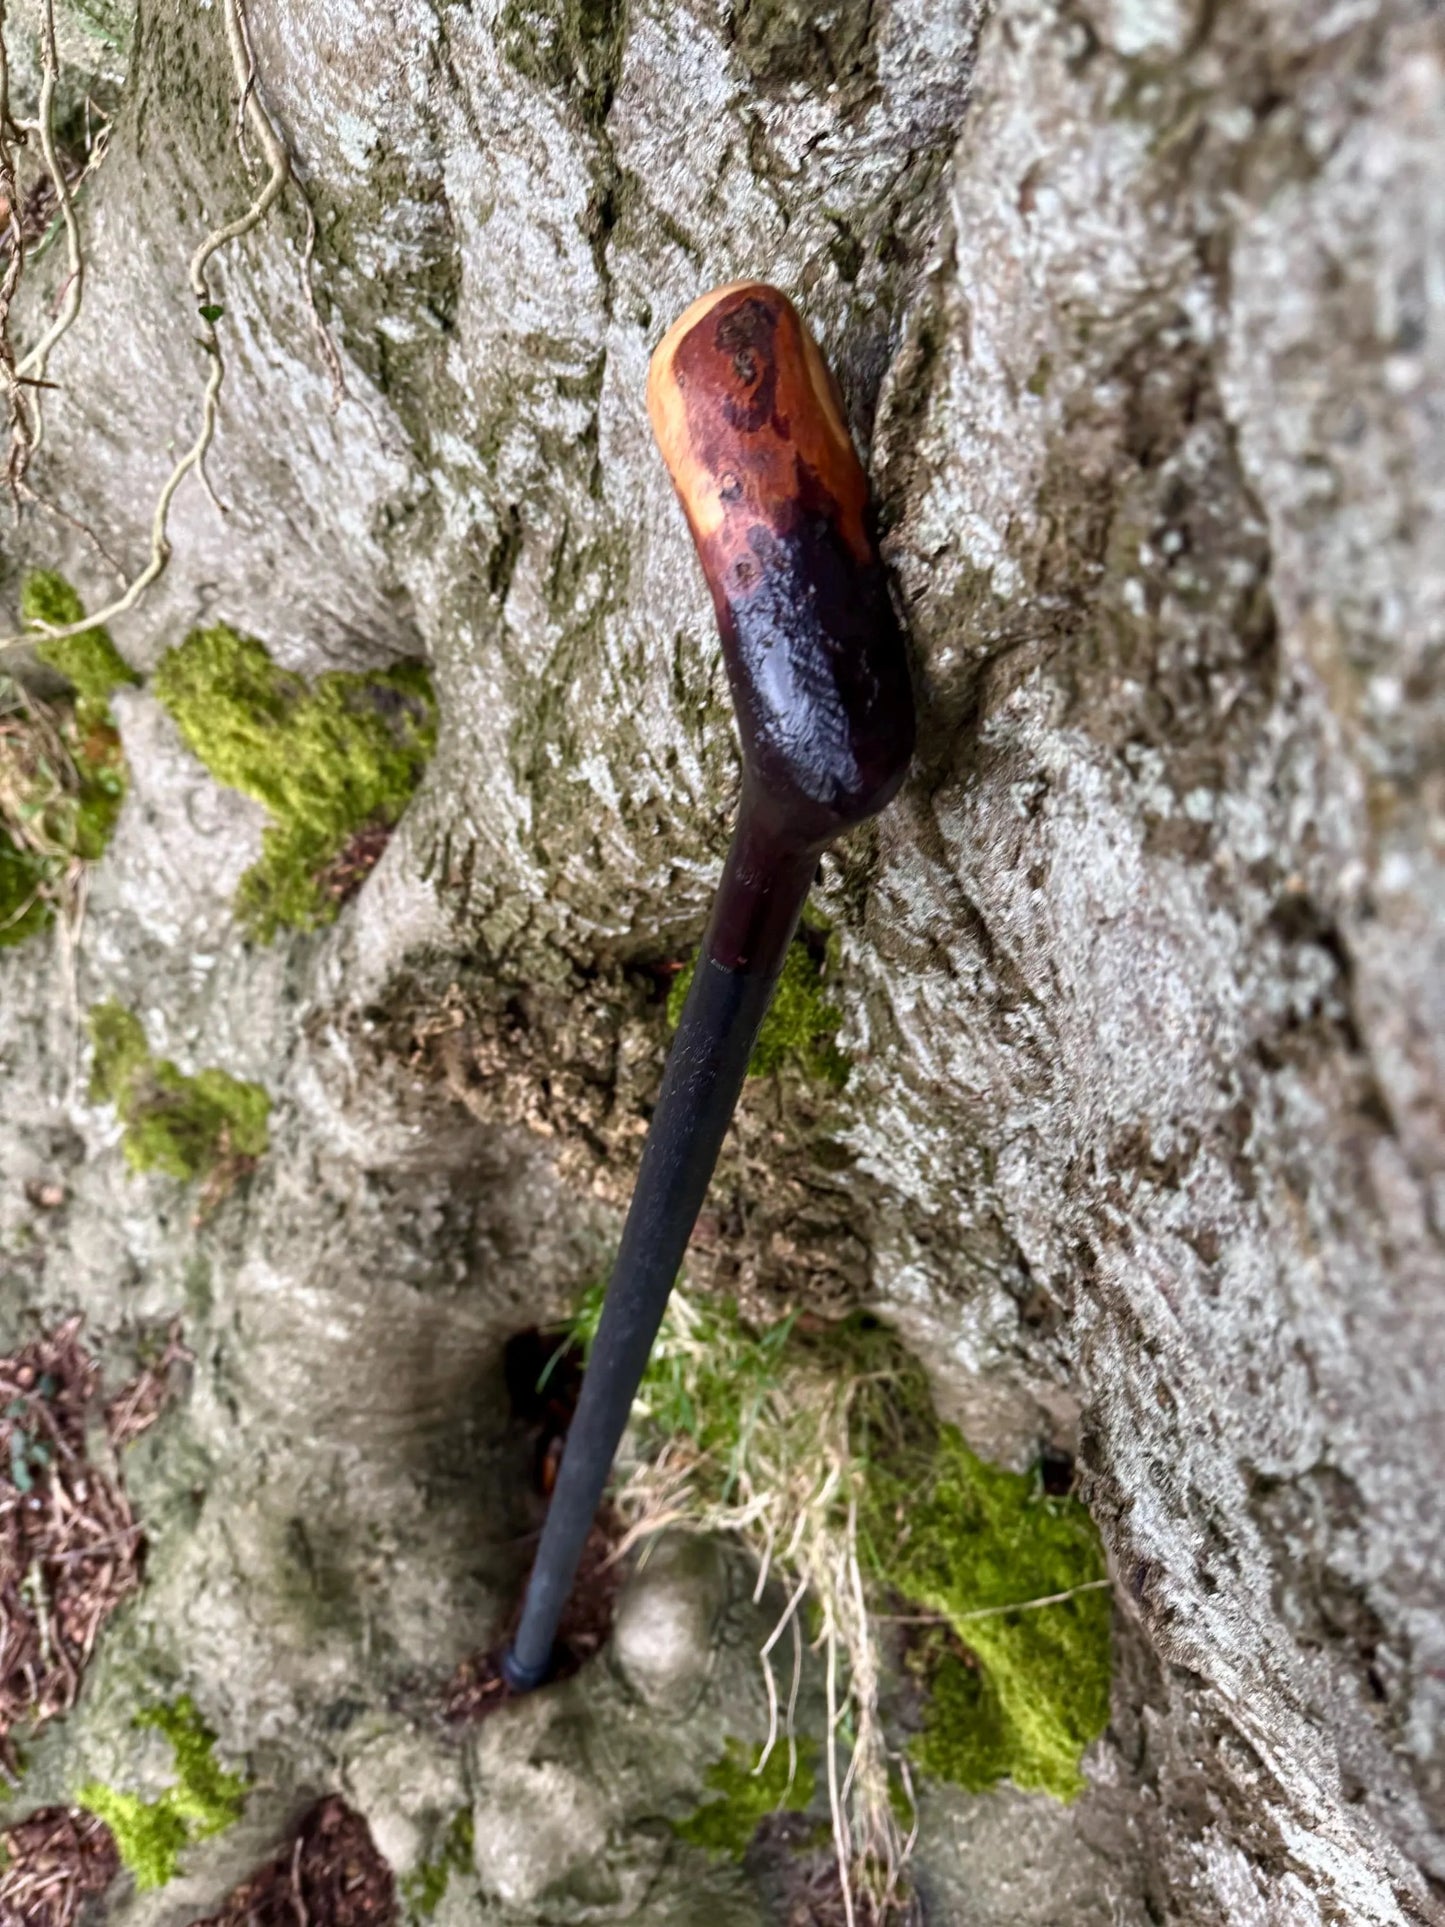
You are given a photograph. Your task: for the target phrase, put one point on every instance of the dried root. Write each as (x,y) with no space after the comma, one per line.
(24,417)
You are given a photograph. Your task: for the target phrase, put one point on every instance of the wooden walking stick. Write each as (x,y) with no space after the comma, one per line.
(751,426)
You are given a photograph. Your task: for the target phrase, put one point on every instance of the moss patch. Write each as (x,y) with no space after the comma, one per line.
(211,1126)
(62,774)
(1016,1690)
(739,1798)
(151,1835)
(800,1027)
(90,662)
(709,1379)
(24,908)
(423,1889)
(334,762)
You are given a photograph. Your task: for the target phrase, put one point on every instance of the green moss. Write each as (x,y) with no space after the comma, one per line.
(188,1127)
(118,1039)
(1016,1689)
(423,1889)
(90,662)
(100,767)
(739,1798)
(24,907)
(709,1376)
(973,1542)
(327,759)
(800,1026)
(151,1835)
(62,774)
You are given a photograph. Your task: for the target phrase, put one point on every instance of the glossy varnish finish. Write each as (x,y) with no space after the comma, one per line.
(751,426)
(752,430)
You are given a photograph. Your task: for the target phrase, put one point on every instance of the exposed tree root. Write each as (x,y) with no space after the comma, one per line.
(17,403)
(33,366)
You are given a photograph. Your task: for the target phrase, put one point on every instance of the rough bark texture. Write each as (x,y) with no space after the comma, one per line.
(1138,307)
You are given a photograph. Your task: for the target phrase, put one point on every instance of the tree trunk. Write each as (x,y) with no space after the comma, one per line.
(1138,313)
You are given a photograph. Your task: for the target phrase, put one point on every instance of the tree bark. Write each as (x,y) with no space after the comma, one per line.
(1138,313)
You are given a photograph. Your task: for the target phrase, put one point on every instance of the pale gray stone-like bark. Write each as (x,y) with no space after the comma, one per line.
(1140,311)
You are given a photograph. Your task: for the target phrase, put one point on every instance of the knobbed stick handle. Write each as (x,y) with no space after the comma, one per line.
(751,427)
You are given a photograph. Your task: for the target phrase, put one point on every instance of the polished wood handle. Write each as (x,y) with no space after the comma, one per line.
(751,425)
(752,428)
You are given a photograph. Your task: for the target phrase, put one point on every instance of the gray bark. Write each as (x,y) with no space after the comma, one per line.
(1138,311)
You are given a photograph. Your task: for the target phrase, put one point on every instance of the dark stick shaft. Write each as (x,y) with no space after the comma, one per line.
(724,1010)
(751,427)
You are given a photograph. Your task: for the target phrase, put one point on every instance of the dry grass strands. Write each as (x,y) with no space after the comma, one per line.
(328,1875)
(70,1548)
(42,794)
(54,1861)
(802,1885)
(785,1479)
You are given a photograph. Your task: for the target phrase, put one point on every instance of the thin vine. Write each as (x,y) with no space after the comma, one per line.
(251,113)
(17,405)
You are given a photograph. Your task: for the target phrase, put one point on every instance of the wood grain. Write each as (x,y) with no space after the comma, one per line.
(752,428)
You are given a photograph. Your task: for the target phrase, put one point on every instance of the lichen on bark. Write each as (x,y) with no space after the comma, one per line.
(1141,1145)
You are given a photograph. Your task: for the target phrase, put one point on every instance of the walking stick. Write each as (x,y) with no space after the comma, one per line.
(751,426)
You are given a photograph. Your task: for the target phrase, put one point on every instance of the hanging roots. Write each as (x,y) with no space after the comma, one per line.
(17,380)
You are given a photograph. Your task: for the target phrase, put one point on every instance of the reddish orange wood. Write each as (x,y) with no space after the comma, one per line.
(741,400)
(752,428)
